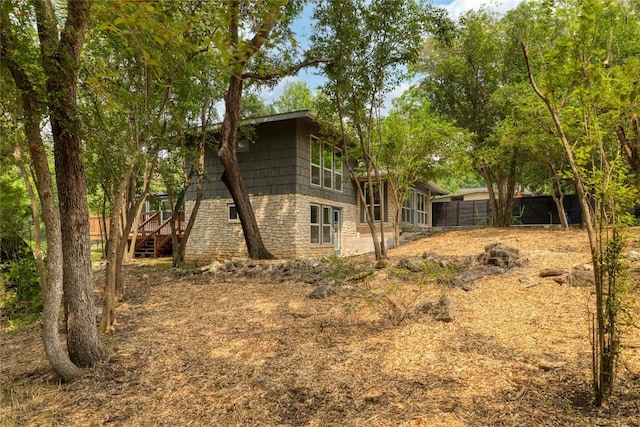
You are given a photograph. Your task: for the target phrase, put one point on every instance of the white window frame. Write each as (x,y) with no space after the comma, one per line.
(327,226)
(407,209)
(377,205)
(318,166)
(338,170)
(327,171)
(328,176)
(315,225)
(323,226)
(230,208)
(422,214)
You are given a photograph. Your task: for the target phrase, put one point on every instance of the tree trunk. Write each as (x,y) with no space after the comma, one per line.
(631,145)
(486,175)
(51,283)
(557,195)
(179,248)
(232,177)
(603,366)
(60,55)
(115,248)
(395,194)
(52,286)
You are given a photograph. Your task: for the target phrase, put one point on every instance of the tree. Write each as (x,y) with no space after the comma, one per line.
(465,65)
(582,77)
(417,146)
(246,59)
(82,341)
(296,96)
(368,43)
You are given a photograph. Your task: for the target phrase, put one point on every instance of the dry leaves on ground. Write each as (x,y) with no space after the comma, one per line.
(205,350)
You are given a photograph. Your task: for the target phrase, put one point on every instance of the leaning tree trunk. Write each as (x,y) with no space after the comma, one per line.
(60,54)
(604,349)
(232,177)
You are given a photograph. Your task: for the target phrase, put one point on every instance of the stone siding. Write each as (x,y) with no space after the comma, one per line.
(284,222)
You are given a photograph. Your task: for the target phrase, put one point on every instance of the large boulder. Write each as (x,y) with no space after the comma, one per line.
(500,255)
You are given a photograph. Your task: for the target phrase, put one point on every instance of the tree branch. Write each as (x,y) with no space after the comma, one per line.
(287,72)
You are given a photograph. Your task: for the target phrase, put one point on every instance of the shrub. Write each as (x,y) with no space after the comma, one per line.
(20,297)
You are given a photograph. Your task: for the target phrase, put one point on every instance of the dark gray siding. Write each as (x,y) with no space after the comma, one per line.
(277,162)
(348,194)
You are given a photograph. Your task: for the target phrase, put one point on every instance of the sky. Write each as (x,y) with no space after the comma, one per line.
(311,77)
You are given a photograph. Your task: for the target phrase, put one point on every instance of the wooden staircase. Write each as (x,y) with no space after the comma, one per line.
(153,237)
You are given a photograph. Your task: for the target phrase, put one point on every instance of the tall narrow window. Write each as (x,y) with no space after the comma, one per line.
(407,208)
(327,167)
(327,235)
(338,168)
(377,209)
(315,224)
(316,156)
(421,209)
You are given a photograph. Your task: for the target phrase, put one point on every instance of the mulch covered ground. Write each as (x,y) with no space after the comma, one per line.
(227,350)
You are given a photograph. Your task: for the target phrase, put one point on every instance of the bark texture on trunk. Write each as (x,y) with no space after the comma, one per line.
(52,285)
(232,176)
(60,55)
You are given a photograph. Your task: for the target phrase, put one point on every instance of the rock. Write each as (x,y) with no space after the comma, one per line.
(214,267)
(477,273)
(582,278)
(563,279)
(499,255)
(321,291)
(431,256)
(549,272)
(413,266)
(444,310)
(424,307)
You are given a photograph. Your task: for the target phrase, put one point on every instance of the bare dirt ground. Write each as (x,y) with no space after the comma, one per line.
(208,350)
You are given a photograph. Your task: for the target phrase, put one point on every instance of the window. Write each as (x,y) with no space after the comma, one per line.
(338,167)
(316,150)
(326,165)
(321,226)
(315,224)
(421,209)
(377,210)
(232,213)
(326,225)
(165,209)
(407,209)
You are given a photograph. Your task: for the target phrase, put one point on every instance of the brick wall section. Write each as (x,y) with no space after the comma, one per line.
(283,220)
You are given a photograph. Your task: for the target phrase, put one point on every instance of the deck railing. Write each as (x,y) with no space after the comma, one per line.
(152,227)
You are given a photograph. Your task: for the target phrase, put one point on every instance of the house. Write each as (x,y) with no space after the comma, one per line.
(153,235)
(299,186)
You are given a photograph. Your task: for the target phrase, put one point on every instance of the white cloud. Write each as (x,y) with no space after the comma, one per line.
(459,7)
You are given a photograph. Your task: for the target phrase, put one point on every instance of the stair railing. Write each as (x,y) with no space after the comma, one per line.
(159,231)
